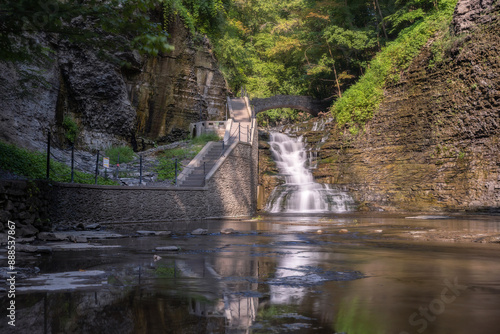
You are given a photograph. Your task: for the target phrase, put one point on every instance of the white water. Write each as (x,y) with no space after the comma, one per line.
(301,193)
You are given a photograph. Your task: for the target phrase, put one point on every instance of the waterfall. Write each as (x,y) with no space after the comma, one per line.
(300,193)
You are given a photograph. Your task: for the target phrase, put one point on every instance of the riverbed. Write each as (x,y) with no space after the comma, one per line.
(332,273)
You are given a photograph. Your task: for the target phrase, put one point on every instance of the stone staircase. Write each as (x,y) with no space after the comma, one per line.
(196,177)
(237,130)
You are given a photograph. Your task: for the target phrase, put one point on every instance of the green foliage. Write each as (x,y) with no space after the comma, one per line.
(151,44)
(204,16)
(166,271)
(124,153)
(354,317)
(166,162)
(166,169)
(92,22)
(33,165)
(408,12)
(205,138)
(298,47)
(359,103)
(70,129)
(276,117)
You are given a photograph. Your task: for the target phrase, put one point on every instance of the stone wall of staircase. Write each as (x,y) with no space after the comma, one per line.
(230,192)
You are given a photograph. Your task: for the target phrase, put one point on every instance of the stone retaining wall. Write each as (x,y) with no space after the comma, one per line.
(26,203)
(230,192)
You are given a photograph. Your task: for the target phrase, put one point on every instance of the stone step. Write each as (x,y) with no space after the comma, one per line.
(191,184)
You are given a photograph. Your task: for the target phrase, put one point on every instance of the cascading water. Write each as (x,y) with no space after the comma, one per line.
(300,194)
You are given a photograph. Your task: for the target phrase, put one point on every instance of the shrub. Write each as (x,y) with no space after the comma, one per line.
(166,169)
(124,153)
(70,128)
(205,138)
(33,165)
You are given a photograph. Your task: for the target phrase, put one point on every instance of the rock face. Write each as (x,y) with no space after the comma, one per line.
(149,101)
(469,13)
(434,143)
(268,172)
(26,204)
(182,87)
(27,109)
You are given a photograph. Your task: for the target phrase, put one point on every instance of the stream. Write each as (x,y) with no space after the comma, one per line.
(324,273)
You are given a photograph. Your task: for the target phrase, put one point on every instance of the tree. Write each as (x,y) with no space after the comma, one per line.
(91,21)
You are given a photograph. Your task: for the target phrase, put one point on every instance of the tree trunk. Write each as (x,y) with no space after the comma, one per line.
(382,18)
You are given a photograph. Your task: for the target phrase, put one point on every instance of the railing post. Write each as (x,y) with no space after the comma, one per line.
(248,134)
(140,170)
(72,163)
(176,172)
(97,167)
(204,172)
(118,167)
(48,156)
(239,131)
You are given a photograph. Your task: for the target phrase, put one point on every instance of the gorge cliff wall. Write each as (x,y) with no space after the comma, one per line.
(150,100)
(434,144)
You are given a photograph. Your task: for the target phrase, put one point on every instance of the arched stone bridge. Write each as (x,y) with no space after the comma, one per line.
(304,103)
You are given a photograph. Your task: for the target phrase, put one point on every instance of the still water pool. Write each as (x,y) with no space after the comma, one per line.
(327,274)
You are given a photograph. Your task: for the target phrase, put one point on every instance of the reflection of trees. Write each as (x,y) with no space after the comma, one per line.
(356,317)
(134,311)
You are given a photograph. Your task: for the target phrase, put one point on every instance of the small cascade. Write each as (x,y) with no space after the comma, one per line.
(300,193)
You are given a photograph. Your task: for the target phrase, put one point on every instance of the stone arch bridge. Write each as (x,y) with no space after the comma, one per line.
(303,103)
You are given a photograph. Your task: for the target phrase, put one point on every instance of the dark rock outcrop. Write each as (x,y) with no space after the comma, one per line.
(150,100)
(469,13)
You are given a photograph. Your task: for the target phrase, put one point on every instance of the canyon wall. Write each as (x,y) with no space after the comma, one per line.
(434,143)
(148,101)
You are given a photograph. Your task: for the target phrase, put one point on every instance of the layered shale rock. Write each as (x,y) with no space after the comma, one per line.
(179,88)
(434,143)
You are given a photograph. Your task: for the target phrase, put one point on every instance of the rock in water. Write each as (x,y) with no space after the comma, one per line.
(167,248)
(200,231)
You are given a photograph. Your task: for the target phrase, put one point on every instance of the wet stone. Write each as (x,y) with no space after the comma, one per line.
(163,233)
(34,249)
(92,226)
(146,232)
(78,239)
(200,231)
(49,236)
(79,246)
(26,231)
(228,231)
(167,248)
(429,217)
(25,240)
(72,235)
(21,273)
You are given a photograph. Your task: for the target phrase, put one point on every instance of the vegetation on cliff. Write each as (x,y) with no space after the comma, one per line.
(90,23)
(301,47)
(348,50)
(361,100)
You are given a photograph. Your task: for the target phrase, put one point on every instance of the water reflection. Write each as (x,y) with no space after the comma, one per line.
(275,276)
